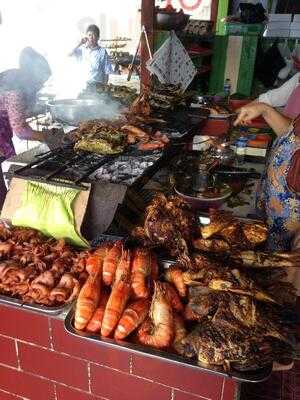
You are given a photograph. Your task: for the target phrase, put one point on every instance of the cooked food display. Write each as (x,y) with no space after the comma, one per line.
(116,298)
(39,270)
(225,233)
(123,94)
(102,137)
(169,223)
(211,307)
(203,309)
(106,141)
(166,96)
(233,315)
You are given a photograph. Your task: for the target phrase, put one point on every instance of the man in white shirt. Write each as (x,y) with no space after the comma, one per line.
(287,96)
(94,58)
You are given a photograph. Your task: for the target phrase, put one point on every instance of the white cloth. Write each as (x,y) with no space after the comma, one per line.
(172,64)
(279,97)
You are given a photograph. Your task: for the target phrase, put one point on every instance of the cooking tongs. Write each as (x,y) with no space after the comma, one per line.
(143,31)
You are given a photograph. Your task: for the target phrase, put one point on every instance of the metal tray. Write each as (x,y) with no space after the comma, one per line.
(250,376)
(11,301)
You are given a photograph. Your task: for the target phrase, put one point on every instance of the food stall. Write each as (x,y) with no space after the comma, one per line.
(158,291)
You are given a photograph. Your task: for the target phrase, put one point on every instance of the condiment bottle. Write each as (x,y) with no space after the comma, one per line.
(240,148)
(227,90)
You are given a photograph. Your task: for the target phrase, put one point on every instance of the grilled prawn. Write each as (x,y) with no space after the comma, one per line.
(132,317)
(110,262)
(159,330)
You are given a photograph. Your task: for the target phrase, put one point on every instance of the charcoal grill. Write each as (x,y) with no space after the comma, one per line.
(66,167)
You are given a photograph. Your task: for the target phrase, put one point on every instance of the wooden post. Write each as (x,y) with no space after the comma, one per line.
(147,19)
(214,12)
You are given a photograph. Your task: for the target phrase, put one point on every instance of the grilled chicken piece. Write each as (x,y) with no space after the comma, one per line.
(218,221)
(169,223)
(255,232)
(235,233)
(244,310)
(232,233)
(211,245)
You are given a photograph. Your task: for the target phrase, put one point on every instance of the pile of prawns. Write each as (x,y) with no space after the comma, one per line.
(122,296)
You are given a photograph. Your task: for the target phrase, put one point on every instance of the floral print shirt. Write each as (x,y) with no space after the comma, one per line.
(279,195)
(12,121)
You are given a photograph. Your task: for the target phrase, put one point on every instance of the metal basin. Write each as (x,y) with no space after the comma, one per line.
(73,111)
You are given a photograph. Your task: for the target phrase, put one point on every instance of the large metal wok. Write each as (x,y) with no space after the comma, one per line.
(74,111)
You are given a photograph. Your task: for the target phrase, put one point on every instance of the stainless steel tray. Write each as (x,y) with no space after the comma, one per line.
(251,376)
(11,301)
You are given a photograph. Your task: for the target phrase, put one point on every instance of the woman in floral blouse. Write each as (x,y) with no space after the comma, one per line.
(279,196)
(18,89)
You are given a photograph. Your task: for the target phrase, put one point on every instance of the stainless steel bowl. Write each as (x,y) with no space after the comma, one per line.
(73,111)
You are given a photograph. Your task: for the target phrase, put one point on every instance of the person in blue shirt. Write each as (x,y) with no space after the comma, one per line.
(94,59)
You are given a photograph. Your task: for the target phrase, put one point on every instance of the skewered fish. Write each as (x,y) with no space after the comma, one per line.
(260,259)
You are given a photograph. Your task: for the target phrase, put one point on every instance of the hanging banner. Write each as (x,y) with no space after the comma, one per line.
(197,9)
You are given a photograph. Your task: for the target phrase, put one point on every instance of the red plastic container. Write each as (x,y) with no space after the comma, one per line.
(216,127)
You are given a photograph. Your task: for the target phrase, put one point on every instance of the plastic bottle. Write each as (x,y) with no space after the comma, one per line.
(227,90)
(240,148)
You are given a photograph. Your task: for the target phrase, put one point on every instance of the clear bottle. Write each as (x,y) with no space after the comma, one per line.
(240,149)
(227,90)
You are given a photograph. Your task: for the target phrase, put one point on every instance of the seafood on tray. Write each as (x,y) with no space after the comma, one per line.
(235,322)
(105,141)
(159,98)
(226,233)
(124,301)
(166,96)
(121,93)
(103,137)
(37,269)
(169,223)
(220,315)
(133,302)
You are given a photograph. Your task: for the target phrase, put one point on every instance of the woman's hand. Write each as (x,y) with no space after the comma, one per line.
(249,112)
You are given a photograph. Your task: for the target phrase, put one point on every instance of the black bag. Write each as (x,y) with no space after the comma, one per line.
(252,13)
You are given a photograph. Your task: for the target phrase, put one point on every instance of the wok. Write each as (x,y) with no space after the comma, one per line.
(73,111)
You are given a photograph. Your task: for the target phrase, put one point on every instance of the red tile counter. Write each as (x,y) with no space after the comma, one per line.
(40,361)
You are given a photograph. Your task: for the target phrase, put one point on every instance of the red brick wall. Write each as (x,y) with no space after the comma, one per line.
(40,361)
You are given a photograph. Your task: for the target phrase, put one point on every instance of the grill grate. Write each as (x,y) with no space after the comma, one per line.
(64,166)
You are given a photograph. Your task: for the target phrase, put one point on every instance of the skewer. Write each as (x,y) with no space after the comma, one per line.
(143,31)
(134,58)
(147,41)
